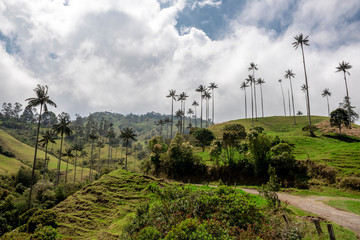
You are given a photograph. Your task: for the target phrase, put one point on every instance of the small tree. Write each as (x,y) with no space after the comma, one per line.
(231,135)
(339,117)
(204,136)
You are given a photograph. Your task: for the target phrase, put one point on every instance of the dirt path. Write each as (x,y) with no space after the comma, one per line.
(312,204)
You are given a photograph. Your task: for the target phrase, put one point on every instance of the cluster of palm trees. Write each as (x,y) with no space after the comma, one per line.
(253,82)
(127,135)
(206,93)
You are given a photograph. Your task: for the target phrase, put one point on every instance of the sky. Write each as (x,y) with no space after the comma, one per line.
(124,56)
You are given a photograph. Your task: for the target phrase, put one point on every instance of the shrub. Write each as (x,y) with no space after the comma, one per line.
(23,176)
(189,229)
(351,183)
(321,171)
(41,217)
(204,137)
(24,218)
(149,233)
(46,233)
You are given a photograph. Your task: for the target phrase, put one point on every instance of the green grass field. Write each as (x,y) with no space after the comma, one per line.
(9,166)
(346,205)
(343,156)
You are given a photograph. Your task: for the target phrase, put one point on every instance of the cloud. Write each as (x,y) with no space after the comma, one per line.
(203,3)
(124,56)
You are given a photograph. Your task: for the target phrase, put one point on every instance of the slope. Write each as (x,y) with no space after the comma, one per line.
(341,153)
(100,210)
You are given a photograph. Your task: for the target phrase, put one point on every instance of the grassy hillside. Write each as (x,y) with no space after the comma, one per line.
(24,155)
(343,154)
(100,210)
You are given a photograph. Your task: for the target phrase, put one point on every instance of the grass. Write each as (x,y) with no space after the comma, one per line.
(344,156)
(346,205)
(9,166)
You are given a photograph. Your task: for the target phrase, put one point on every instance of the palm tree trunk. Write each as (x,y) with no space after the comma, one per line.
(59,162)
(327,99)
(282,91)
(184,118)
(201,111)
(46,149)
(195,117)
(126,154)
(109,155)
(348,100)
(292,98)
(255,94)
(252,103)
(262,102)
(213,107)
(307,86)
(75,165)
(91,158)
(33,168)
(172,117)
(289,103)
(245,104)
(67,165)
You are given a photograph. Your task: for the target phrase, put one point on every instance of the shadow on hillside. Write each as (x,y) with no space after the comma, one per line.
(342,137)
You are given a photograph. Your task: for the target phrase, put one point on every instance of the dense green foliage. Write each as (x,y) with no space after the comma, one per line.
(203,136)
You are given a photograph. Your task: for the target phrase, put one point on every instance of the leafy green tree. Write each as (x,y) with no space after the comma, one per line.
(204,136)
(42,98)
(344,67)
(338,118)
(326,93)
(300,40)
(157,146)
(243,86)
(62,128)
(212,87)
(47,137)
(215,150)
(345,105)
(127,135)
(172,95)
(259,146)
(289,74)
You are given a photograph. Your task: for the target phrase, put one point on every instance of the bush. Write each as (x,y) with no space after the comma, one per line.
(149,233)
(23,176)
(189,229)
(45,233)
(41,217)
(24,218)
(351,183)
(321,171)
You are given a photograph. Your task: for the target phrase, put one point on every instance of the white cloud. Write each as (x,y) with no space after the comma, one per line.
(124,56)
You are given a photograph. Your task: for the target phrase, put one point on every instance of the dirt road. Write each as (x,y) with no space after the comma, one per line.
(312,204)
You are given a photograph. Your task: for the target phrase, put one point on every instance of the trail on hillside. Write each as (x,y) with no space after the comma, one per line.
(313,205)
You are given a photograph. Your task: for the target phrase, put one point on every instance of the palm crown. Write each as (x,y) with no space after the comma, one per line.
(243,85)
(326,92)
(212,86)
(195,103)
(344,67)
(128,134)
(42,98)
(289,74)
(62,127)
(253,66)
(201,88)
(172,94)
(300,40)
(260,81)
(47,137)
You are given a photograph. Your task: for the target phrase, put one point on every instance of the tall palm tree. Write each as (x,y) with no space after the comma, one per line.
(326,93)
(190,112)
(250,80)
(344,67)
(300,40)
(93,136)
(83,154)
(47,137)
(201,89)
(195,104)
(167,121)
(207,97)
(303,89)
(160,123)
(100,145)
(243,86)
(69,154)
(282,92)
(77,147)
(62,128)
(127,135)
(178,115)
(289,74)
(212,87)
(42,99)
(172,95)
(260,82)
(252,68)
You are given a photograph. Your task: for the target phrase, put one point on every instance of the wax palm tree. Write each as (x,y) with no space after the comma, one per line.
(83,154)
(207,97)
(69,154)
(47,137)
(282,92)
(167,120)
(326,93)
(252,68)
(212,87)
(260,82)
(172,95)
(178,115)
(289,74)
(190,112)
(303,89)
(42,99)
(243,86)
(127,135)
(344,67)
(100,145)
(62,129)
(160,123)
(182,98)
(195,104)
(92,136)
(300,40)
(201,89)
(77,147)
(250,80)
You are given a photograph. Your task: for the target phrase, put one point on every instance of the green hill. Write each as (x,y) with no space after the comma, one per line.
(343,153)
